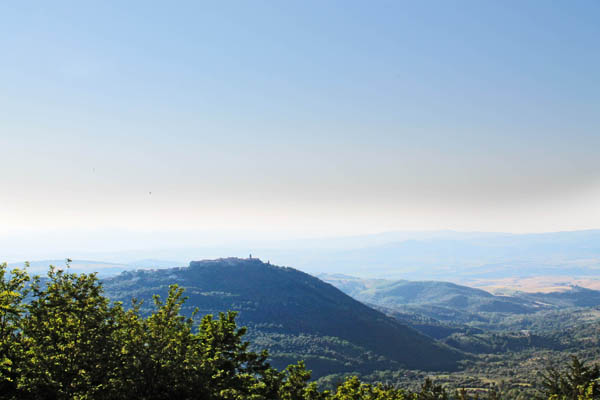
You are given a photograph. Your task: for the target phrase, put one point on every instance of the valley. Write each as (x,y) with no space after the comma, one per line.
(398,332)
(293,315)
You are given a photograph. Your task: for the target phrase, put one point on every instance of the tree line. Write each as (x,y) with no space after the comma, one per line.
(61,338)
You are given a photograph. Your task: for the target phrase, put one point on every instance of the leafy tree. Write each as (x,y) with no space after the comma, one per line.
(157,352)
(68,337)
(12,293)
(295,384)
(431,391)
(234,371)
(572,382)
(353,389)
(61,338)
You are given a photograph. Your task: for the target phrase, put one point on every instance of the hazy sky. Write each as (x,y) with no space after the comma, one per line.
(307,117)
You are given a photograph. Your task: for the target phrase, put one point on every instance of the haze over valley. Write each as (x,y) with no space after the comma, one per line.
(300,200)
(493,261)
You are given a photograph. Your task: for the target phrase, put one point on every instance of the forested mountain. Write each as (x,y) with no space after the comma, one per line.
(474,320)
(292,314)
(159,354)
(421,295)
(576,297)
(446,300)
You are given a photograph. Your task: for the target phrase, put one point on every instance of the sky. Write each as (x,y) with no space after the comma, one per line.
(299,118)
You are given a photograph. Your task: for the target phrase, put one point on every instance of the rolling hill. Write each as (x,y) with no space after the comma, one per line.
(294,315)
(443,309)
(394,294)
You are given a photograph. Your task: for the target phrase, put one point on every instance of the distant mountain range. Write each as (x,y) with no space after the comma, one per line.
(433,293)
(449,302)
(103,268)
(294,315)
(339,323)
(462,257)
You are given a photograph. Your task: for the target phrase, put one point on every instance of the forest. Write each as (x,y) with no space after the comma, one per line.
(62,338)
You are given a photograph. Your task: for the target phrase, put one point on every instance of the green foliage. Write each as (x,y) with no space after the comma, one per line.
(431,391)
(277,303)
(61,338)
(574,381)
(492,342)
(12,292)
(295,385)
(69,337)
(68,341)
(353,389)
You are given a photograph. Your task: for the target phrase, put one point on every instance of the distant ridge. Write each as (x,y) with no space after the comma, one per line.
(452,303)
(445,294)
(103,268)
(293,314)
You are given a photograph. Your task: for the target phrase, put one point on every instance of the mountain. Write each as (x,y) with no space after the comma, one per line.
(444,309)
(575,297)
(293,314)
(467,257)
(104,269)
(447,255)
(394,294)
(430,293)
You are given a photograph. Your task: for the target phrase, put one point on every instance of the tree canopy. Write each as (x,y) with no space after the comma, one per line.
(61,338)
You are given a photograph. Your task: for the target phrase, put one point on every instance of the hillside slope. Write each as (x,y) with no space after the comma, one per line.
(293,314)
(429,293)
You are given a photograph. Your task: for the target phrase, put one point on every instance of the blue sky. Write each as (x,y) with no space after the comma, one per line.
(307,117)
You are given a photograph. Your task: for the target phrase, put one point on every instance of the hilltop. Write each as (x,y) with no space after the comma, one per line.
(294,315)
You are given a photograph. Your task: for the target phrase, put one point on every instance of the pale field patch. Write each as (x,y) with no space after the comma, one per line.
(538,284)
